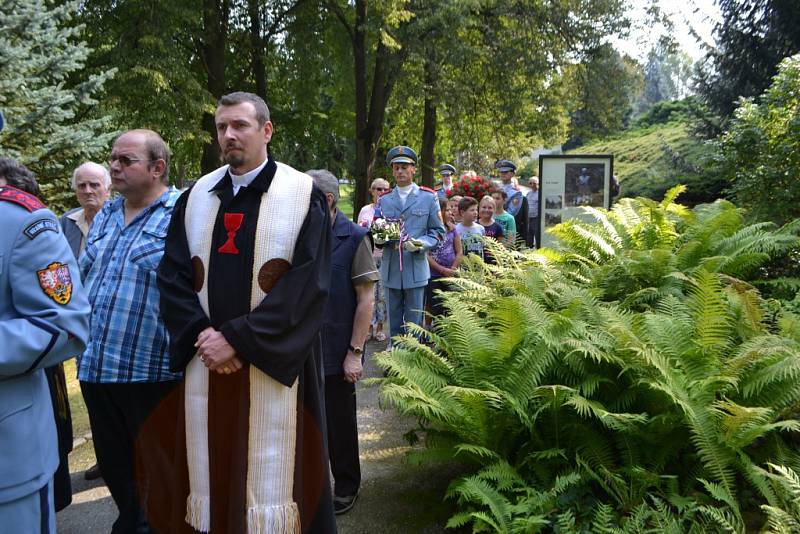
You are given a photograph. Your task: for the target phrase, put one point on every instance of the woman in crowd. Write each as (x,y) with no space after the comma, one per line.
(490,226)
(365,217)
(443,259)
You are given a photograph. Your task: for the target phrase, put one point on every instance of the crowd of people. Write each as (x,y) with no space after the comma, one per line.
(505,213)
(219,331)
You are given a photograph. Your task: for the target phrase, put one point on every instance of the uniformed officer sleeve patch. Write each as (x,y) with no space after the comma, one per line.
(42,225)
(56,282)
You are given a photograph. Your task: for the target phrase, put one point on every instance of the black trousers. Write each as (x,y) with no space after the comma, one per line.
(132,436)
(532,238)
(340,409)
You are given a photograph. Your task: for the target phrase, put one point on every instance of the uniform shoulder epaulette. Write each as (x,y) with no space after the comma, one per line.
(386,192)
(428,189)
(17,196)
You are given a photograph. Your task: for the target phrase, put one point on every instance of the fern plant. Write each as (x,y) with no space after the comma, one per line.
(636,360)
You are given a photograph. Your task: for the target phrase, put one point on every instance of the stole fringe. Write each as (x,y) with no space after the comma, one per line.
(198,512)
(281,519)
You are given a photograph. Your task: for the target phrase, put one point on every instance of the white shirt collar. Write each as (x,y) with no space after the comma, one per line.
(245,179)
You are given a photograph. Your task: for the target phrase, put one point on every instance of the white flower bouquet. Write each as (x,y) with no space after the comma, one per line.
(384,231)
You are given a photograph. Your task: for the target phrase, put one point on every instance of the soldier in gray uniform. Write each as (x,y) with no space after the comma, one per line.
(418,209)
(44,320)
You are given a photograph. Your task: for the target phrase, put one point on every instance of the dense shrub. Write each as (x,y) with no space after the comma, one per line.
(760,154)
(669,111)
(633,380)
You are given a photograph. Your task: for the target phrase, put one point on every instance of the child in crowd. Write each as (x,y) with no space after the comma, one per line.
(490,227)
(468,230)
(443,259)
(502,217)
(452,207)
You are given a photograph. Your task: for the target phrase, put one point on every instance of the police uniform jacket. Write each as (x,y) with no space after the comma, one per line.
(44,320)
(420,216)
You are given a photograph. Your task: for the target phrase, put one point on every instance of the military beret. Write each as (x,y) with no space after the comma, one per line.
(401,154)
(505,165)
(447,169)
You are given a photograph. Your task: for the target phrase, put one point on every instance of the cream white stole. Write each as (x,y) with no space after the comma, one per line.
(273,406)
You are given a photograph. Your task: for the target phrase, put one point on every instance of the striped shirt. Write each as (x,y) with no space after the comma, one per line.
(128,341)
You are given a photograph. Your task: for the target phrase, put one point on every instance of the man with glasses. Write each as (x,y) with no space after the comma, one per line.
(124,372)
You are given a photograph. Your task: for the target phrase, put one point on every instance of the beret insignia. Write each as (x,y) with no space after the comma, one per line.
(56,282)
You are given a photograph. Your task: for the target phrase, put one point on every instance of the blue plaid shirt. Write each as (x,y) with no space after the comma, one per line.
(128,340)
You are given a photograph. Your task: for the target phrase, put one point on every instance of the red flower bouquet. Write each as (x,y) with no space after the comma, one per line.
(473,186)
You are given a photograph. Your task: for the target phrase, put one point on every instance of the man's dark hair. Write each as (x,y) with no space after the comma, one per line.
(240,97)
(466,203)
(19,176)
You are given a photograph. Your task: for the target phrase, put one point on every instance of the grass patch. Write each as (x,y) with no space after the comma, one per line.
(649,161)
(346,192)
(82,457)
(80,417)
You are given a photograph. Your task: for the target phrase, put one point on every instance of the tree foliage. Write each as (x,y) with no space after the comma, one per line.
(630,381)
(48,101)
(760,154)
(158,84)
(751,39)
(607,85)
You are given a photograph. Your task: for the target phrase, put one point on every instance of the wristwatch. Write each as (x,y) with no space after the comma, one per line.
(358,351)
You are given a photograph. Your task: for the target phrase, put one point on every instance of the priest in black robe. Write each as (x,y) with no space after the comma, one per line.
(280,336)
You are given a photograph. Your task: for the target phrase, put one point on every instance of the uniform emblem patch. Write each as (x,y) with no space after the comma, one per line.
(56,282)
(42,225)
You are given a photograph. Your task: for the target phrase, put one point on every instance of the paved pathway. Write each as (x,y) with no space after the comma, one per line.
(396,498)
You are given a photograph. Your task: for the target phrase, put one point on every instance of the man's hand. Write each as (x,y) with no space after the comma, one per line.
(233,365)
(413,245)
(352,368)
(216,353)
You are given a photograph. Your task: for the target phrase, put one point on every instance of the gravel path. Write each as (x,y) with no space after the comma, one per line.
(396,498)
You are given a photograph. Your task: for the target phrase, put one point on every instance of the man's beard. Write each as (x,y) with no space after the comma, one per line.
(234,159)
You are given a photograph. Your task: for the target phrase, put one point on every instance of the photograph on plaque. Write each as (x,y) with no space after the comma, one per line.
(568,184)
(584,184)
(553,202)
(551,218)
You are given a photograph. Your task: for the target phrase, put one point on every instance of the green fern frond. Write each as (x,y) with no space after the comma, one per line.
(710,314)
(478,492)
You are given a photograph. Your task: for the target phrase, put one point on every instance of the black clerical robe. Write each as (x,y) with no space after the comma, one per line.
(280,337)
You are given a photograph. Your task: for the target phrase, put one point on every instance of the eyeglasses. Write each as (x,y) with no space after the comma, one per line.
(125,161)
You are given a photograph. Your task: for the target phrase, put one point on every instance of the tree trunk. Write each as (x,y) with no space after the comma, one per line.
(427,156)
(257,48)
(212,50)
(362,163)
(370,113)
